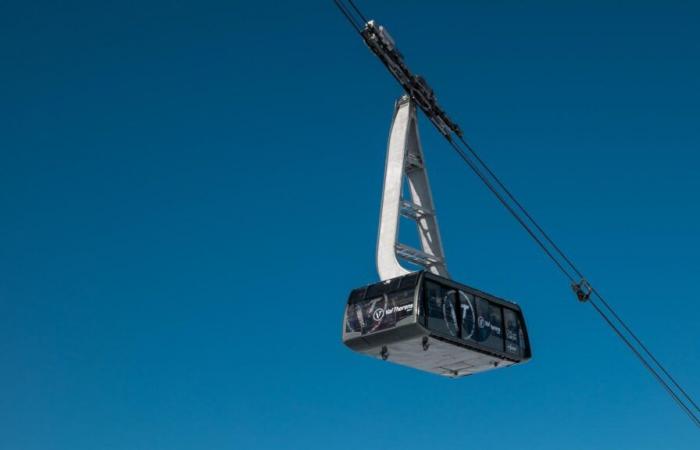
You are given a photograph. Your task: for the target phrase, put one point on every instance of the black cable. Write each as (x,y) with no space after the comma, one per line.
(347,15)
(641,358)
(651,370)
(358,11)
(647,351)
(578,272)
(500,198)
(520,206)
(656,375)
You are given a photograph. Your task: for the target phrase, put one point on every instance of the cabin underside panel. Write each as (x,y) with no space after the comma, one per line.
(441,357)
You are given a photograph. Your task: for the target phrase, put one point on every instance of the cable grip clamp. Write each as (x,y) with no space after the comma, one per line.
(582,289)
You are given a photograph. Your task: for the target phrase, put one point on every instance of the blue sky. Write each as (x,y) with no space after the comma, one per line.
(189,191)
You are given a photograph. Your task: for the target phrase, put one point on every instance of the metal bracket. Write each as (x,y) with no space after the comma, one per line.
(582,289)
(404,160)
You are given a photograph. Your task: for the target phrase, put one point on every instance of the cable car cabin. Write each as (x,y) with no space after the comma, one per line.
(431,323)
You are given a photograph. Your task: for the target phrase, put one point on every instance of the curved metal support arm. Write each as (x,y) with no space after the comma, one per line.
(405,160)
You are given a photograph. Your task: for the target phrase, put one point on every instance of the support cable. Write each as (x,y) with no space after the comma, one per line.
(615,329)
(558,250)
(359,13)
(343,9)
(651,370)
(510,209)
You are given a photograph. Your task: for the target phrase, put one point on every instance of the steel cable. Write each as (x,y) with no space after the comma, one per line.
(568,260)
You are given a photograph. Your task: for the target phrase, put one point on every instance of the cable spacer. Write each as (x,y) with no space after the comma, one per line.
(582,289)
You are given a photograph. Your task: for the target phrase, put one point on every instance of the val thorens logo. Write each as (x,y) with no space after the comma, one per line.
(378,314)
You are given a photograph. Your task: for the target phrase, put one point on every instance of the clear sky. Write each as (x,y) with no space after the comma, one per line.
(189,191)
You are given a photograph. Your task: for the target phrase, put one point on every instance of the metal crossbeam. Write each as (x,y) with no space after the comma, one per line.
(412,211)
(416,256)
